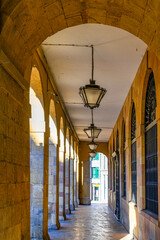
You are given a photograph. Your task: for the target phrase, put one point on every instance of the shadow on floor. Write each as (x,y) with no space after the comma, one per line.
(94,222)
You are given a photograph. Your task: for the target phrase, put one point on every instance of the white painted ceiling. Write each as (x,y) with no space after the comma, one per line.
(117,56)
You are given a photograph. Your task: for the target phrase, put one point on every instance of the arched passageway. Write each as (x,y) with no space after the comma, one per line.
(37,129)
(24,27)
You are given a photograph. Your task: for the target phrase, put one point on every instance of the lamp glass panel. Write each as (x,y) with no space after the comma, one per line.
(92,154)
(101,96)
(92,95)
(88,132)
(92,146)
(96,132)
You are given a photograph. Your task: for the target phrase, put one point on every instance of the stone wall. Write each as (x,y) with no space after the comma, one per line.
(15,112)
(14,160)
(141,225)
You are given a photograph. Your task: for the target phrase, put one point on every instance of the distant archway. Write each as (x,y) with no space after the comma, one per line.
(99,178)
(37,129)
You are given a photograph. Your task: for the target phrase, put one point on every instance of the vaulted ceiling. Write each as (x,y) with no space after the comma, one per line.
(117,56)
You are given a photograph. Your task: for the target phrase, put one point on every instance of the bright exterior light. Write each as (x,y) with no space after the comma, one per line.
(92,131)
(92,145)
(92,94)
(92,154)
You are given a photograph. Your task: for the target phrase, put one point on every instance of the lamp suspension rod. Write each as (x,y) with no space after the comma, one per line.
(92,114)
(92,62)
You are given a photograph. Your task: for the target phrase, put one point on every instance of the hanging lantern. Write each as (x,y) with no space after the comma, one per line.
(92,131)
(92,94)
(92,145)
(92,154)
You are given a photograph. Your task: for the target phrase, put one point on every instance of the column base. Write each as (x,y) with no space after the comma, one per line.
(62,218)
(85,201)
(76,204)
(72,207)
(55,226)
(68,211)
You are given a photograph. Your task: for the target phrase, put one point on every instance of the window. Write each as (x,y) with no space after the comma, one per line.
(133,156)
(151,165)
(95,172)
(124,162)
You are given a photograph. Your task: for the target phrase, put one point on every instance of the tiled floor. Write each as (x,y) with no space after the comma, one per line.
(95,222)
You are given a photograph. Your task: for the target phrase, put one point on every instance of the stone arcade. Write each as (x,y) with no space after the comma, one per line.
(44,161)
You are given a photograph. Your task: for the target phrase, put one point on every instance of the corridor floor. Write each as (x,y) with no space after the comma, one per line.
(94,222)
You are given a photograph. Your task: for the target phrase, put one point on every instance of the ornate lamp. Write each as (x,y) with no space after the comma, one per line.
(92,145)
(92,154)
(92,131)
(92,94)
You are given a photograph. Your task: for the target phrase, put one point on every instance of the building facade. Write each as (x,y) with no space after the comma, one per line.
(99,178)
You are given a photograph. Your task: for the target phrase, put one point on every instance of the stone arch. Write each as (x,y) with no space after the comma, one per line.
(37,129)
(52,170)
(25,21)
(145,84)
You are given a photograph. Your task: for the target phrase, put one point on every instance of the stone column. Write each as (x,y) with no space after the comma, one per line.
(78,181)
(37,184)
(75,183)
(61,186)
(67,185)
(52,172)
(141,167)
(57,225)
(85,183)
(128,169)
(72,207)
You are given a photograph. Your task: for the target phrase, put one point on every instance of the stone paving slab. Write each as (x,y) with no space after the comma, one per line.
(94,222)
